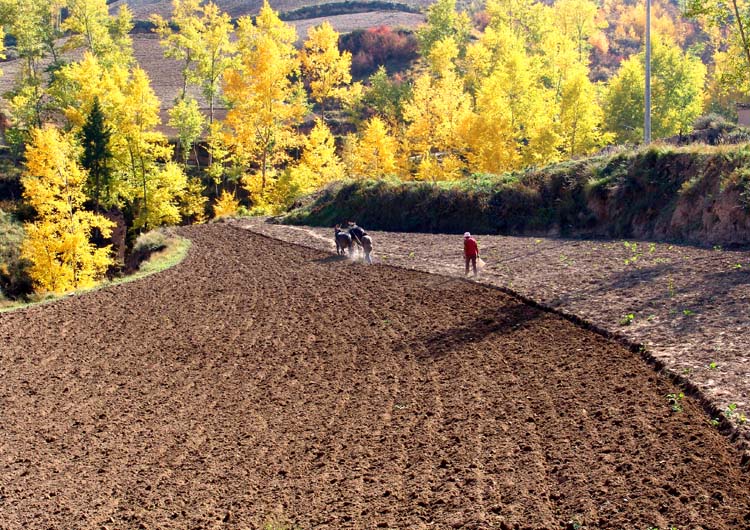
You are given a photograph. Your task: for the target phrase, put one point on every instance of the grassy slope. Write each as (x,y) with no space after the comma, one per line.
(694,194)
(174,251)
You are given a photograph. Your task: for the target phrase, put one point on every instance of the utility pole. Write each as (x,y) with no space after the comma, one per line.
(647,113)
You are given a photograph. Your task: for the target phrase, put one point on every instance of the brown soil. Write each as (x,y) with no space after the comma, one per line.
(689,305)
(261,380)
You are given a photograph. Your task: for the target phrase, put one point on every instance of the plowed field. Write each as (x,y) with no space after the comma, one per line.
(259,381)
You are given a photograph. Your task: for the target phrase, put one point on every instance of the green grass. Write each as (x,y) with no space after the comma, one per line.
(174,251)
(172,254)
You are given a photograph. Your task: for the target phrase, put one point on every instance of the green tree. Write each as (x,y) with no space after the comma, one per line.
(186,117)
(733,17)
(386,96)
(93,29)
(215,55)
(443,21)
(181,44)
(96,157)
(35,25)
(677,89)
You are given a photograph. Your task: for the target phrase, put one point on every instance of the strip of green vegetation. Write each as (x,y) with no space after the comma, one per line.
(661,191)
(170,253)
(172,250)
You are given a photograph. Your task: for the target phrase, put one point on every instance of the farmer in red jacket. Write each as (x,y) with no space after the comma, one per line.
(471,252)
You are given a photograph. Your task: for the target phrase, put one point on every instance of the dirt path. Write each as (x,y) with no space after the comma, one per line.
(259,379)
(689,306)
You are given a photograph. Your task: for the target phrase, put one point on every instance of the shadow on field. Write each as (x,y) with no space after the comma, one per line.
(331,259)
(506,320)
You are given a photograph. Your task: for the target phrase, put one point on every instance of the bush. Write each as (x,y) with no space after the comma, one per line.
(378,46)
(15,281)
(150,242)
(711,121)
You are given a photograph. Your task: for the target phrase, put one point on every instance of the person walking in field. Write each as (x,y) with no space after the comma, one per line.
(471,253)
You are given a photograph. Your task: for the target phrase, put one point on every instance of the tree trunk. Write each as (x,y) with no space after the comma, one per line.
(745,45)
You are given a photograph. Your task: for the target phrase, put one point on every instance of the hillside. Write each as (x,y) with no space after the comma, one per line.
(165,72)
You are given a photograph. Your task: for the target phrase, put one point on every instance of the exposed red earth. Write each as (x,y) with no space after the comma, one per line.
(259,380)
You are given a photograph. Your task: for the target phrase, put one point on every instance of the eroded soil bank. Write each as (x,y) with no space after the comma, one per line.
(261,380)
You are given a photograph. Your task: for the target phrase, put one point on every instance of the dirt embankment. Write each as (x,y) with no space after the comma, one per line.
(699,195)
(261,380)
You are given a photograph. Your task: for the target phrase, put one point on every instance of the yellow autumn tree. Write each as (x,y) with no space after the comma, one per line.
(265,103)
(373,155)
(318,165)
(578,20)
(131,109)
(514,120)
(58,244)
(226,205)
(437,110)
(327,69)
(581,119)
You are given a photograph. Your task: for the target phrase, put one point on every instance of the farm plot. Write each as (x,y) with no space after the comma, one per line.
(687,305)
(262,381)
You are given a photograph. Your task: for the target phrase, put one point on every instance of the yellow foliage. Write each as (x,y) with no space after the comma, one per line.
(164,190)
(374,154)
(318,165)
(226,205)
(327,69)
(193,206)
(430,168)
(442,55)
(319,159)
(261,187)
(131,111)
(265,104)
(58,242)
(437,111)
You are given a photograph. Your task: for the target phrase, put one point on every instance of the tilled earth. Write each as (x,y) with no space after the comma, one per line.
(260,381)
(687,305)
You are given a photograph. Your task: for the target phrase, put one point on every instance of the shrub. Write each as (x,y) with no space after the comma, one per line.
(226,205)
(148,242)
(375,46)
(15,281)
